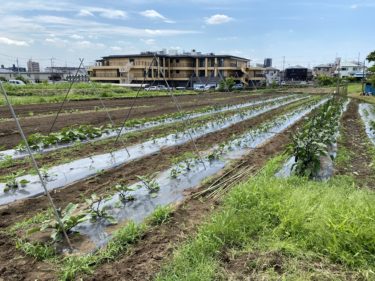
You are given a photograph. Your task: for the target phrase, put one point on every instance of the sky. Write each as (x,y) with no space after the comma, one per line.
(305,32)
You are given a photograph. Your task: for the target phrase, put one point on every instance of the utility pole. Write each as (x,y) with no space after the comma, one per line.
(363,77)
(338,78)
(53,78)
(18,68)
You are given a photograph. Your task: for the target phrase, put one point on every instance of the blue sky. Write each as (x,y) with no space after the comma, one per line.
(306,32)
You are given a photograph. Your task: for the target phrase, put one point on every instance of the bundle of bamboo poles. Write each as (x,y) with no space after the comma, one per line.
(230,178)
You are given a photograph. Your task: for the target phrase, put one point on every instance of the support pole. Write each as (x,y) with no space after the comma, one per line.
(66,95)
(108,115)
(179,109)
(133,103)
(36,166)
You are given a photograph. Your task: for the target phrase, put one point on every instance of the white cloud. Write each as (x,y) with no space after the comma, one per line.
(116,48)
(102,12)
(8,41)
(85,13)
(152,14)
(149,41)
(218,19)
(76,36)
(354,6)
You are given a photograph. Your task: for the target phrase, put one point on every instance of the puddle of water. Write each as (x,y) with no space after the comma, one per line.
(69,173)
(367,113)
(16,154)
(172,189)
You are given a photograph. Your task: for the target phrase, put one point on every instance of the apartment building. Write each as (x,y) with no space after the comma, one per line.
(33,66)
(184,69)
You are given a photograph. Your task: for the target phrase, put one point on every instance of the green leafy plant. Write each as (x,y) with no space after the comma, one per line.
(312,141)
(149,182)
(124,191)
(12,183)
(68,219)
(97,210)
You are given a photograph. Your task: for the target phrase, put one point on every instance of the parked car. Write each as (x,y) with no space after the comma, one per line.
(180,88)
(16,82)
(209,87)
(199,88)
(283,83)
(238,87)
(152,88)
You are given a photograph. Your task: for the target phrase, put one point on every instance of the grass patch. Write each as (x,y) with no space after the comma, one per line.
(331,220)
(161,215)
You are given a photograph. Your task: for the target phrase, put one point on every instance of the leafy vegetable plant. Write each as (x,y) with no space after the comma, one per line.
(97,210)
(68,219)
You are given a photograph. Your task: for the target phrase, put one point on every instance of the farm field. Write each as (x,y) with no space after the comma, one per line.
(265,186)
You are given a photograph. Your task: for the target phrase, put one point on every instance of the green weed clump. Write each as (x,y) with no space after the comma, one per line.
(331,220)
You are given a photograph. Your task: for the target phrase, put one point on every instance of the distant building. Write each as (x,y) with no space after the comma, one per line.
(297,73)
(351,69)
(33,66)
(71,70)
(14,68)
(267,62)
(69,73)
(324,69)
(186,69)
(272,75)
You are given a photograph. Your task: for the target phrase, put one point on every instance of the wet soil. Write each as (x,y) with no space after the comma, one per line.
(357,143)
(144,107)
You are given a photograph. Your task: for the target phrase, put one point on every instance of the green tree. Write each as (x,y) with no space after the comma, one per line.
(227,84)
(23,79)
(371,58)
(324,80)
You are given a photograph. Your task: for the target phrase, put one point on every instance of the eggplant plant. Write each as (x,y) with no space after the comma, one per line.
(149,182)
(68,219)
(66,135)
(312,141)
(124,191)
(97,211)
(12,183)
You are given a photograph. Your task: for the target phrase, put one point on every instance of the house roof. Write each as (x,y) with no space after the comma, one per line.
(186,55)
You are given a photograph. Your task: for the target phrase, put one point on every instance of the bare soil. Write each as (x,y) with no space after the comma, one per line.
(144,107)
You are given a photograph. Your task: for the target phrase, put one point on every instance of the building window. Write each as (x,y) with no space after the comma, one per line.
(177,60)
(177,71)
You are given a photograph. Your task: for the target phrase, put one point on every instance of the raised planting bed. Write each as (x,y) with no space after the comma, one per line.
(314,147)
(68,137)
(95,219)
(63,175)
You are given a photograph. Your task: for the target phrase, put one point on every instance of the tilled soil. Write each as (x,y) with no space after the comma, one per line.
(90,149)
(356,142)
(144,107)
(155,247)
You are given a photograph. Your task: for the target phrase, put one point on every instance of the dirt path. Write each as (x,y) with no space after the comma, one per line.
(150,107)
(356,143)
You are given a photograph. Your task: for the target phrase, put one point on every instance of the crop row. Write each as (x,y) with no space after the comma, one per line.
(69,136)
(316,138)
(62,175)
(139,200)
